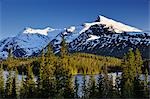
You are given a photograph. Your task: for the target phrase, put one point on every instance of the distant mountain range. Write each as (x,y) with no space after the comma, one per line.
(103,36)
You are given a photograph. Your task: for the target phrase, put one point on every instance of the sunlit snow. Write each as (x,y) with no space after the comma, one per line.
(93,37)
(71,29)
(39,31)
(118,27)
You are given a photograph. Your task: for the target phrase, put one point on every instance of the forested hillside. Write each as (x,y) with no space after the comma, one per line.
(51,76)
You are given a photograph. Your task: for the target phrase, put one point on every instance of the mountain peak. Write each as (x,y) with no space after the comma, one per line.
(118,26)
(29,30)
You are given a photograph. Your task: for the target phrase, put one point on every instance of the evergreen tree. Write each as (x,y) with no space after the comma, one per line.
(30,88)
(117,85)
(146,89)
(138,88)
(59,73)
(63,76)
(9,83)
(92,87)
(128,89)
(131,61)
(105,82)
(112,92)
(76,87)
(128,75)
(1,81)
(14,93)
(137,82)
(47,69)
(10,53)
(68,88)
(100,86)
(15,89)
(40,76)
(138,63)
(9,61)
(22,87)
(63,49)
(84,88)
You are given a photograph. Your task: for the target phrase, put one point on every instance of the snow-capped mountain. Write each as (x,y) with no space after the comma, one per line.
(106,37)
(103,36)
(27,43)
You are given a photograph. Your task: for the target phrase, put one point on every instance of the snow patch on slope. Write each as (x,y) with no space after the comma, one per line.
(87,26)
(93,37)
(118,27)
(71,29)
(38,31)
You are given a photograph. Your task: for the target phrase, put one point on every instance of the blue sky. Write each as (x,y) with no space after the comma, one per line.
(15,15)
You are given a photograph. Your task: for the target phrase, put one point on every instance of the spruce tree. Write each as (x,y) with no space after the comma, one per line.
(62,74)
(105,82)
(1,81)
(138,88)
(117,85)
(76,87)
(14,93)
(15,89)
(9,83)
(128,89)
(112,92)
(9,61)
(64,87)
(92,87)
(84,88)
(138,63)
(22,91)
(63,49)
(128,75)
(100,86)
(68,88)
(59,73)
(40,76)
(146,89)
(30,88)
(47,69)
(131,61)
(137,82)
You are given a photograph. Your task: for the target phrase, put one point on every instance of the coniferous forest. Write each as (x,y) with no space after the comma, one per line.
(57,76)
